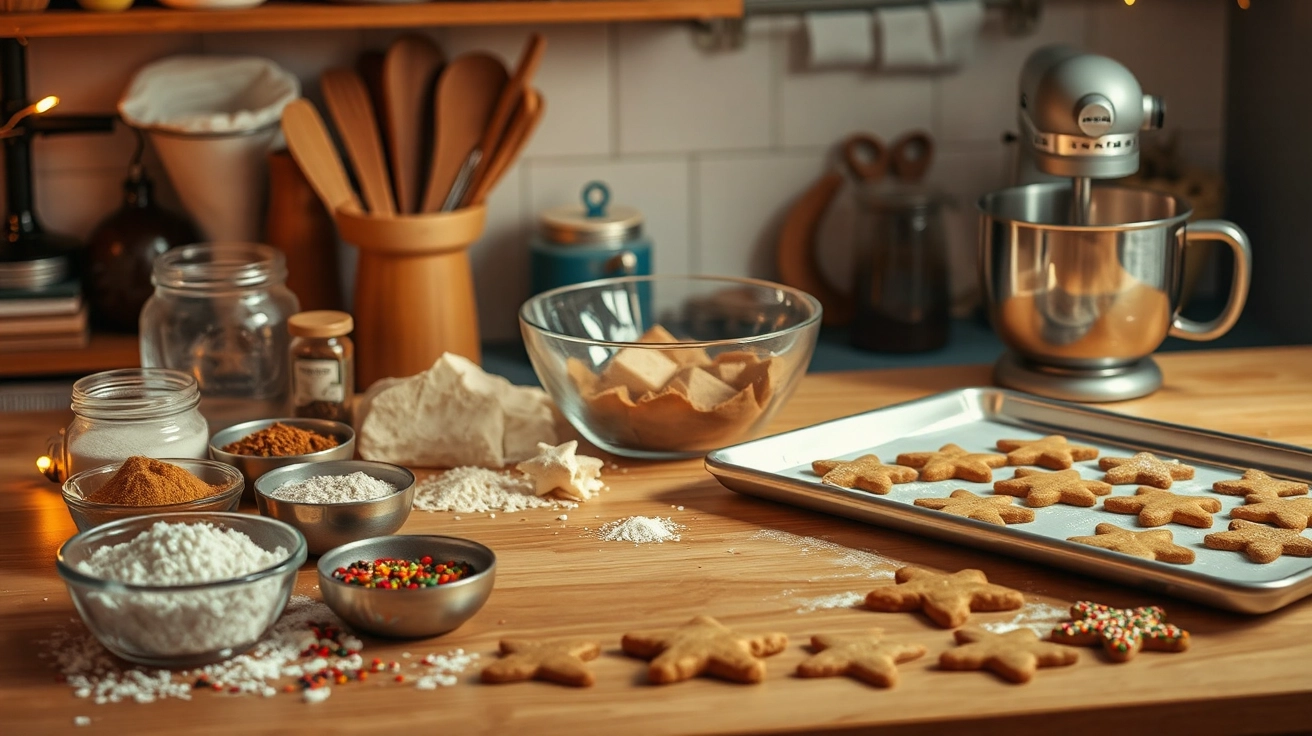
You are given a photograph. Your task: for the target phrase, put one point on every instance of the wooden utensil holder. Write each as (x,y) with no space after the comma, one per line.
(414,290)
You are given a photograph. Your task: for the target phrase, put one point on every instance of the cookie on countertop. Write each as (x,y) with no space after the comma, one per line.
(864,656)
(1287,513)
(991,509)
(1122,631)
(866,473)
(559,660)
(1260,542)
(703,645)
(946,599)
(1053,452)
(1015,655)
(1257,483)
(1158,544)
(1041,489)
(951,461)
(1144,468)
(1156,507)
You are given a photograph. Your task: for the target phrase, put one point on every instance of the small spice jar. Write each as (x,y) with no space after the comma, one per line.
(323,364)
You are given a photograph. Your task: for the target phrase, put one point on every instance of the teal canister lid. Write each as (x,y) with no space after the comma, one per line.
(592,222)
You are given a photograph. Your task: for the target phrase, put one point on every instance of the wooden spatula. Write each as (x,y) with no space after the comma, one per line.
(308,140)
(467,95)
(353,114)
(511,97)
(409,70)
(521,127)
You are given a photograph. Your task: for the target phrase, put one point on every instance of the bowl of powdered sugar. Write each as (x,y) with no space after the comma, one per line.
(334,503)
(184,589)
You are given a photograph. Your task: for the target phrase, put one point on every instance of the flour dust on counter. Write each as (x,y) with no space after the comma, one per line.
(473,490)
(1037,617)
(857,563)
(640,530)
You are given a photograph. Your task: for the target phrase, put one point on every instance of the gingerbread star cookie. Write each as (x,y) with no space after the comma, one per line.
(1044,489)
(559,468)
(945,599)
(865,473)
(1157,544)
(1122,631)
(703,645)
(864,656)
(1261,543)
(1289,513)
(1156,507)
(1145,468)
(1015,655)
(952,461)
(991,509)
(1257,483)
(560,660)
(1052,452)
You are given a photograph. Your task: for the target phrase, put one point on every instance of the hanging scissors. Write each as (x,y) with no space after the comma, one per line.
(870,160)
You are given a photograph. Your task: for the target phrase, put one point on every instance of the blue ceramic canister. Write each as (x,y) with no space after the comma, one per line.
(578,243)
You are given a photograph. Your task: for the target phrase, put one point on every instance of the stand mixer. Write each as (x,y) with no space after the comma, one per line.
(1083,282)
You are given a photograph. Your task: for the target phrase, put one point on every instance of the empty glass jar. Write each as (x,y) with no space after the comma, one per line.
(219,313)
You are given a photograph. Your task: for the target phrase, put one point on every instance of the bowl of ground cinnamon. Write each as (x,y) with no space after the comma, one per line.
(262,445)
(143,485)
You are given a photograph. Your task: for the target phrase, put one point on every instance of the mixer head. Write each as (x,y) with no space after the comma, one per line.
(1080,114)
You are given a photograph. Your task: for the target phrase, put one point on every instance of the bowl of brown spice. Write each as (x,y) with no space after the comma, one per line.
(142,485)
(262,445)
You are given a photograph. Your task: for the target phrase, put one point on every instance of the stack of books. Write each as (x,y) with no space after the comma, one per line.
(53,318)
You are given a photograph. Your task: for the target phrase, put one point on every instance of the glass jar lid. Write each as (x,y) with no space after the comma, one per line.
(591,223)
(135,393)
(218,266)
(320,323)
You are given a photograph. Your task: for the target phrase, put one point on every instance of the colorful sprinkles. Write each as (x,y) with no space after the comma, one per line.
(398,574)
(1122,631)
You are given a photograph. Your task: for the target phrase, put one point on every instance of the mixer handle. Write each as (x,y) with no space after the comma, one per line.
(1230,234)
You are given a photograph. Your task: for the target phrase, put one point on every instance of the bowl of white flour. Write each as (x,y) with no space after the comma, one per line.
(337,502)
(181,589)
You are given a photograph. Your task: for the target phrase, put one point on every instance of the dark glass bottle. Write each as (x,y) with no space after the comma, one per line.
(121,250)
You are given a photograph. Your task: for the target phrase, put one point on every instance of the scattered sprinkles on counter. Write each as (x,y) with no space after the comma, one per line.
(397,574)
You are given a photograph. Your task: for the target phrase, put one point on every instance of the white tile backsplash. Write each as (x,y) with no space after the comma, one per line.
(713,146)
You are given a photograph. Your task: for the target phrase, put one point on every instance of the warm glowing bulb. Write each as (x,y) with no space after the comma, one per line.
(43,463)
(1129,2)
(45,103)
(1243,4)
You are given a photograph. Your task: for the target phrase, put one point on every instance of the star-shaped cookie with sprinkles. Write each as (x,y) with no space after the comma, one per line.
(1121,631)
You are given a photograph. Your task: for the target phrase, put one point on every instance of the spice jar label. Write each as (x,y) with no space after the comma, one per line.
(318,380)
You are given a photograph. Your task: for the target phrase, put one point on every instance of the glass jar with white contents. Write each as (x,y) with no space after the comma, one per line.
(135,411)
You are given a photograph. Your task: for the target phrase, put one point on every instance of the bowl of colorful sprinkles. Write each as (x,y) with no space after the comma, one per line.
(334,503)
(407,586)
(258,446)
(140,486)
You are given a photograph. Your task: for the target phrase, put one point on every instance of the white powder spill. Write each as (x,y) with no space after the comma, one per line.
(859,562)
(640,530)
(1037,617)
(443,668)
(471,490)
(850,599)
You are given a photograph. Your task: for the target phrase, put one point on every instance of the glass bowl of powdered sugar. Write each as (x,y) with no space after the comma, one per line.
(181,590)
(334,503)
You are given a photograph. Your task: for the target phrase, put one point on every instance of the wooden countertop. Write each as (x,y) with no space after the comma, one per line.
(1243,674)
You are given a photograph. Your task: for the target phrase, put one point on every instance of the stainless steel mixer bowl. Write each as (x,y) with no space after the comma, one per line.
(1099,295)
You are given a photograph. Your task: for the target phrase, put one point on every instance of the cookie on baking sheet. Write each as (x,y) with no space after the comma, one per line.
(1053,452)
(1156,507)
(1287,513)
(1015,655)
(864,656)
(866,473)
(952,461)
(558,660)
(946,599)
(703,645)
(991,509)
(1145,468)
(1041,489)
(1257,483)
(1260,542)
(1121,631)
(1157,544)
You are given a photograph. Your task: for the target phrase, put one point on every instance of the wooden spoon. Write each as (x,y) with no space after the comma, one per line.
(411,65)
(467,95)
(511,97)
(313,149)
(353,114)
(521,127)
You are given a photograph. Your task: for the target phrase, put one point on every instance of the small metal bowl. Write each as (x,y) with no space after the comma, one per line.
(328,525)
(89,514)
(253,466)
(409,614)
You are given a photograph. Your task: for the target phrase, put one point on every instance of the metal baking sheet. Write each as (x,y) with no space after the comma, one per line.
(778,468)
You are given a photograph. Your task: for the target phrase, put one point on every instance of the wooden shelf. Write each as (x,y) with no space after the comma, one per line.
(104,352)
(287,16)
